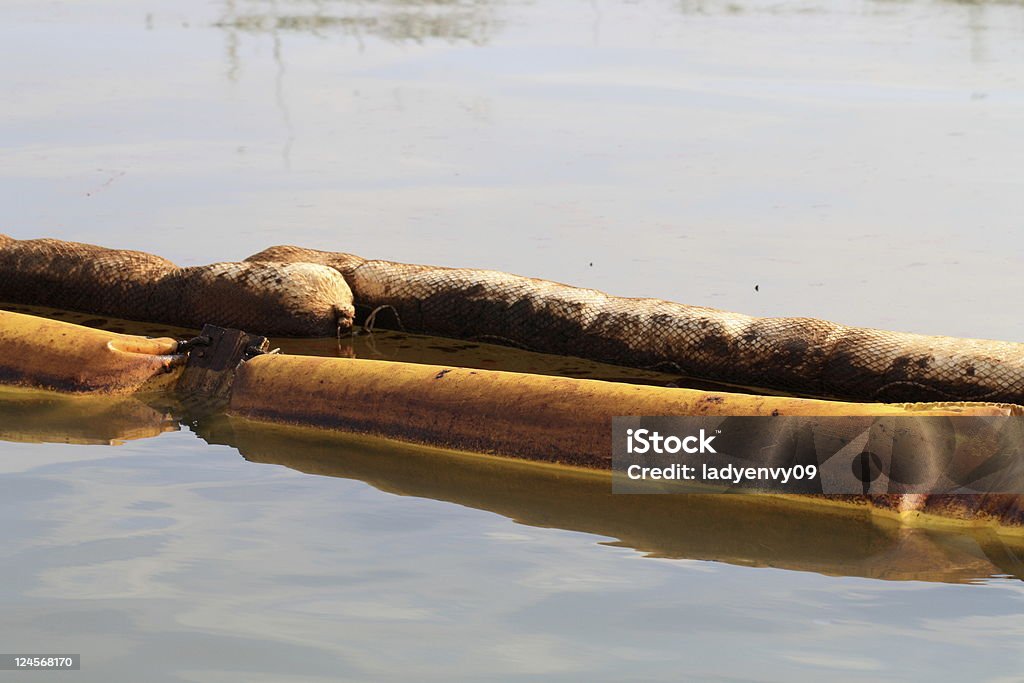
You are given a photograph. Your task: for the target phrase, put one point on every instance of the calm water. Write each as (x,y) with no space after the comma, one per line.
(170,559)
(858,161)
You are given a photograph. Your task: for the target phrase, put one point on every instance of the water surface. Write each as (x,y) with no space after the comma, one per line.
(295,556)
(854,159)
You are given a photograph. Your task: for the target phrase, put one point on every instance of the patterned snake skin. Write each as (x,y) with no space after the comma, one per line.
(798,355)
(290,299)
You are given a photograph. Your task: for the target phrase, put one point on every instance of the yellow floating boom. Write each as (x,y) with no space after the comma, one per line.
(49,354)
(537,417)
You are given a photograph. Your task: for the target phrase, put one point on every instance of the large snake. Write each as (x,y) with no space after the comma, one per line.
(290,299)
(799,355)
(302,292)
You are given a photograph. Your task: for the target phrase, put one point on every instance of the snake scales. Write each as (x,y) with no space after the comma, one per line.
(302,292)
(799,355)
(290,299)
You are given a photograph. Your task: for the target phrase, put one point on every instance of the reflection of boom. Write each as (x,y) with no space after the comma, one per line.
(741,530)
(44,417)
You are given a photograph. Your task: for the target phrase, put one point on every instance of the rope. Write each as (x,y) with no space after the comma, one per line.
(372,318)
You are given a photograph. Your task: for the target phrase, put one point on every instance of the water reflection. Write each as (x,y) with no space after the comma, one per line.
(743,531)
(476,22)
(181,559)
(28,416)
(737,530)
(418,21)
(976,16)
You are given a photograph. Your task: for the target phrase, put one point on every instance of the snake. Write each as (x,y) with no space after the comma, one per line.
(287,299)
(294,291)
(798,355)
